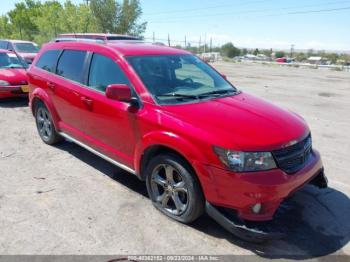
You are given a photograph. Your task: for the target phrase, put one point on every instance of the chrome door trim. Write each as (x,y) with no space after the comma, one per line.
(116,163)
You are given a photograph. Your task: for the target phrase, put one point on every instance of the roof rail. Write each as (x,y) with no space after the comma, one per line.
(73,39)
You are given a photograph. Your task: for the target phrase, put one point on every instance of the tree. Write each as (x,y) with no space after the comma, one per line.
(280,54)
(301,57)
(77,18)
(128,18)
(267,52)
(244,51)
(230,50)
(113,17)
(256,51)
(105,12)
(49,21)
(40,20)
(22,19)
(5,26)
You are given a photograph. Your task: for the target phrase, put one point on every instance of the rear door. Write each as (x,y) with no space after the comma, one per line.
(65,89)
(110,124)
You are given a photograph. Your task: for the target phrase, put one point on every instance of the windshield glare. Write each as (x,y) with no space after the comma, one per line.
(179,78)
(10,60)
(26,48)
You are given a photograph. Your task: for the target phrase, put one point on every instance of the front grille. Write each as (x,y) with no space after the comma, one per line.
(293,158)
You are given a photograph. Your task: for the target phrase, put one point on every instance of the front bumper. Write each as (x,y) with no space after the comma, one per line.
(240,191)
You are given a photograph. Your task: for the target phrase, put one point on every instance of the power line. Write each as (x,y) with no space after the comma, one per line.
(204,8)
(251,11)
(263,10)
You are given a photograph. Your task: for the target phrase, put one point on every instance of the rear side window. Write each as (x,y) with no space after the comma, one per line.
(103,72)
(48,60)
(71,65)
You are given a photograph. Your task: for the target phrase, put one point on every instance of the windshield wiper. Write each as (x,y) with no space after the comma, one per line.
(177,95)
(217,92)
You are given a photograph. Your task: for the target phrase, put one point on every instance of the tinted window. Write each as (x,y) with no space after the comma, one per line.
(47,60)
(177,78)
(103,72)
(26,48)
(10,60)
(122,38)
(3,45)
(71,65)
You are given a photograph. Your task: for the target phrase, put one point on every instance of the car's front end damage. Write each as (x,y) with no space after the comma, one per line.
(248,200)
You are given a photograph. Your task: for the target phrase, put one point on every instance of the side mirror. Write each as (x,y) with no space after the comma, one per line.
(120,92)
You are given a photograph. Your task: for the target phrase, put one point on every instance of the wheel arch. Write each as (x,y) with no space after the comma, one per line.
(39,95)
(156,143)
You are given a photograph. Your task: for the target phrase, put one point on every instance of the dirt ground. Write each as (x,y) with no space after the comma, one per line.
(65,200)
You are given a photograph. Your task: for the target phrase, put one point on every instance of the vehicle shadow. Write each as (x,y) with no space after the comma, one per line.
(315,220)
(14,102)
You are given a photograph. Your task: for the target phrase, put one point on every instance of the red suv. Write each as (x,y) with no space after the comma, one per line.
(172,120)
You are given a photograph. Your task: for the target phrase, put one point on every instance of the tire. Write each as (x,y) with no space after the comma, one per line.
(174,189)
(45,126)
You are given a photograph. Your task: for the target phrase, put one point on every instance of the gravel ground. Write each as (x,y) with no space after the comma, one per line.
(65,200)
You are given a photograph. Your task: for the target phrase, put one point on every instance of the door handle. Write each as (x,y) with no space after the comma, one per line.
(87,101)
(74,92)
(51,86)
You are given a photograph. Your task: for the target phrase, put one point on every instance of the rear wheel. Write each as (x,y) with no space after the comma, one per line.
(174,189)
(45,126)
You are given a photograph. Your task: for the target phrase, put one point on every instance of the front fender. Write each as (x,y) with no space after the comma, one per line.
(170,140)
(186,149)
(42,95)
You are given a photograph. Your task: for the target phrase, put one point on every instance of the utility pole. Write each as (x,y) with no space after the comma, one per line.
(205,42)
(200,42)
(211,44)
(168,39)
(291,51)
(185,42)
(154,37)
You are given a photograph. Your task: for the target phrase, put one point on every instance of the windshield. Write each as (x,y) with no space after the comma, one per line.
(26,48)
(10,60)
(173,79)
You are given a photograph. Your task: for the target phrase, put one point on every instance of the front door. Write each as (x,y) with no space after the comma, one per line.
(110,125)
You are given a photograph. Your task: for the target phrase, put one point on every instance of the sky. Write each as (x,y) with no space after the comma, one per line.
(277,24)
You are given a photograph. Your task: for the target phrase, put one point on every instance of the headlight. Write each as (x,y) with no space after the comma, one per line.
(245,161)
(4,83)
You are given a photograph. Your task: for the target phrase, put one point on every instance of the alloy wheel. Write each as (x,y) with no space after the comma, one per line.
(44,123)
(169,189)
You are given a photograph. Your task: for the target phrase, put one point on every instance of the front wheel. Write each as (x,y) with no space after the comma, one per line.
(174,189)
(45,126)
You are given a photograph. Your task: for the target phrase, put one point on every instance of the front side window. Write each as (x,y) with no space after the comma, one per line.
(26,48)
(48,60)
(173,79)
(71,65)
(104,72)
(10,60)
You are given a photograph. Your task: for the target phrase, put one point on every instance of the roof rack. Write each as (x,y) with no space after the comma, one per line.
(73,39)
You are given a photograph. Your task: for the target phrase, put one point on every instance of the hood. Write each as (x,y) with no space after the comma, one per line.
(14,76)
(242,122)
(27,56)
